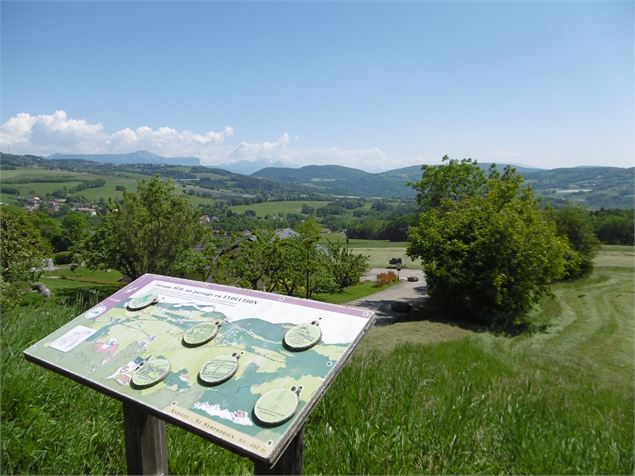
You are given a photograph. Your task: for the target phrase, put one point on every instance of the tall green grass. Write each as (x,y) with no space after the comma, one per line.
(552,402)
(454,408)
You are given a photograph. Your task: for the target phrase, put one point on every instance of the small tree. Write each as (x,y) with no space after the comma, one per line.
(308,209)
(74,231)
(201,263)
(21,250)
(345,266)
(487,250)
(148,231)
(255,261)
(311,262)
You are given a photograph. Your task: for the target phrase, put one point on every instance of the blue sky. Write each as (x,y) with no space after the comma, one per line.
(368,85)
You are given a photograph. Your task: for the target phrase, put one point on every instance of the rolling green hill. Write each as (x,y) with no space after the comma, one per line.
(338,180)
(591,187)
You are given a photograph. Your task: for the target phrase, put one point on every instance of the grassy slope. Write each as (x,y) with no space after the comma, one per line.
(559,401)
(554,402)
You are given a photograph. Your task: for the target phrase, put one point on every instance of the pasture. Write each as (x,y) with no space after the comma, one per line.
(42,182)
(279,208)
(427,397)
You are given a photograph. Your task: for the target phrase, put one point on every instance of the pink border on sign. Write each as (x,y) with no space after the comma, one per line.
(125,292)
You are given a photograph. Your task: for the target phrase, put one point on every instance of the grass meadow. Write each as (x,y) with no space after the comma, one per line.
(426,397)
(280,208)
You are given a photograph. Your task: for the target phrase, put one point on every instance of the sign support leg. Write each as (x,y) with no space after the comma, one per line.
(291,461)
(146,450)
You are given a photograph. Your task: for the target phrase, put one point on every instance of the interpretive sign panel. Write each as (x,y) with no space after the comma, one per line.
(210,358)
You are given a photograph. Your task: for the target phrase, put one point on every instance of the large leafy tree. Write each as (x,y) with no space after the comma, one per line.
(148,231)
(574,224)
(487,250)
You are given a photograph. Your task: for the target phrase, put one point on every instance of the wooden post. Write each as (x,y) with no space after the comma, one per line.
(146,450)
(291,461)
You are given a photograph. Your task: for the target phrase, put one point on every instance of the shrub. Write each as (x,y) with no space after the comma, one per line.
(488,252)
(63,257)
(383,279)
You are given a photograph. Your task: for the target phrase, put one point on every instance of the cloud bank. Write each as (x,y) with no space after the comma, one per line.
(58,133)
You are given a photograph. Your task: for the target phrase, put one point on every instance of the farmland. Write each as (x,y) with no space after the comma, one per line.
(35,181)
(279,208)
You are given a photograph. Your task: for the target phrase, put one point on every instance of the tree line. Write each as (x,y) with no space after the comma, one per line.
(488,247)
(155,230)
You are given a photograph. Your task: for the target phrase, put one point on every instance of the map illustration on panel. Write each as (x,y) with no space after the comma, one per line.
(105,346)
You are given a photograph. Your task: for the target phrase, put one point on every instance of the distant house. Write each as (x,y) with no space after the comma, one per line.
(284,233)
(91,211)
(56,203)
(325,230)
(205,219)
(32,203)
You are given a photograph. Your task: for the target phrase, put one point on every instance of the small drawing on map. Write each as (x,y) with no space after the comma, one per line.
(123,375)
(201,333)
(150,372)
(72,338)
(219,369)
(303,337)
(277,406)
(95,312)
(144,300)
(109,347)
(239,417)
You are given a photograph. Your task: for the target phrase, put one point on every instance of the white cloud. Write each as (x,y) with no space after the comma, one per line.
(274,151)
(280,151)
(507,154)
(46,134)
(57,133)
(24,133)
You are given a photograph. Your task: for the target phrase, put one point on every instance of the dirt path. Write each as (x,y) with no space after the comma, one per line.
(406,291)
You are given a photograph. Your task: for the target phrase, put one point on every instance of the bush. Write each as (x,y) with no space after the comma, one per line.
(63,257)
(488,252)
(574,224)
(383,279)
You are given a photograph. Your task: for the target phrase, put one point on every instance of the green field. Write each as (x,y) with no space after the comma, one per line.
(277,207)
(379,252)
(42,188)
(357,291)
(129,180)
(64,278)
(616,255)
(380,257)
(424,397)
(33,172)
(359,243)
